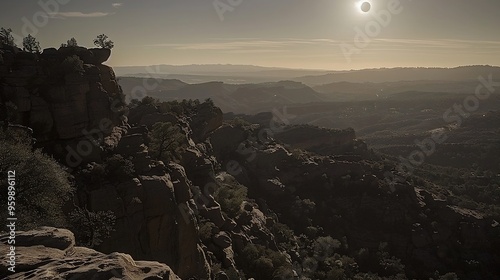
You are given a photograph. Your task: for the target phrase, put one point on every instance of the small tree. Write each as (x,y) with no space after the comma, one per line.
(30,44)
(6,37)
(70,43)
(149,100)
(92,228)
(209,101)
(165,139)
(102,41)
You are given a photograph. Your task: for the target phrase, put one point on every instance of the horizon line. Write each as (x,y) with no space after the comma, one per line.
(313,69)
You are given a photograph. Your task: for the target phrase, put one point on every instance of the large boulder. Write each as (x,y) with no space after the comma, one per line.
(226,139)
(222,240)
(207,119)
(50,54)
(83,53)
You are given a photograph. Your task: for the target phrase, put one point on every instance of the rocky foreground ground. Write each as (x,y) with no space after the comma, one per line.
(50,254)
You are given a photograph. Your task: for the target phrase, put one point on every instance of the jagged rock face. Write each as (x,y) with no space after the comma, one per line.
(155,219)
(50,253)
(64,95)
(155,211)
(352,199)
(79,111)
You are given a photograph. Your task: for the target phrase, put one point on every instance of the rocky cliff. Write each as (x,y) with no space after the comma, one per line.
(73,104)
(65,96)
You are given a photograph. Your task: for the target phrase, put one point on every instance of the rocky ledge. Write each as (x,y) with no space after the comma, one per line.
(50,253)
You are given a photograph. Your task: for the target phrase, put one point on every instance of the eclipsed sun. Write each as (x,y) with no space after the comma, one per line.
(365,6)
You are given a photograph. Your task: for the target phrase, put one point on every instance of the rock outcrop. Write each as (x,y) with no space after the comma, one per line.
(75,107)
(50,253)
(154,213)
(67,96)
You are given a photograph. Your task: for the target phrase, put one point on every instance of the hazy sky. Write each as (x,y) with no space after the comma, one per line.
(287,33)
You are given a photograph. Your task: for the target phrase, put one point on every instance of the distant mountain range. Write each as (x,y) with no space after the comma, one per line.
(245,74)
(463,73)
(372,84)
(235,74)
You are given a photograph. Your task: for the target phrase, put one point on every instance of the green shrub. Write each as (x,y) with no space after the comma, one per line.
(119,168)
(324,246)
(336,273)
(282,233)
(230,196)
(206,231)
(388,265)
(262,263)
(42,186)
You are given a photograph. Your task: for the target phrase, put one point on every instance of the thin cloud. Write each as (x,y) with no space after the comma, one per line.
(430,47)
(116,5)
(237,45)
(64,15)
(440,43)
(330,47)
(256,51)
